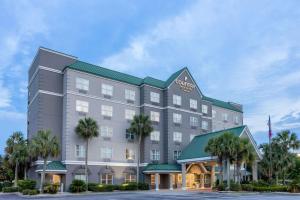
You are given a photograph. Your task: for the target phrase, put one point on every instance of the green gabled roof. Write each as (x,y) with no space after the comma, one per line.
(196,149)
(222,104)
(119,76)
(53,166)
(162,167)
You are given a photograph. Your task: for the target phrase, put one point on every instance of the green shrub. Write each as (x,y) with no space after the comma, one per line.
(10,189)
(247,187)
(30,192)
(294,186)
(128,186)
(51,188)
(273,188)
(105,188)
(92,187)
(116,187)
(143,186)
(221,187)
(77,186)
(26,184)
(235,187)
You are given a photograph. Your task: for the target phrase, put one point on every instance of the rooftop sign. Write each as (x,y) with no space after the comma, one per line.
(184,85)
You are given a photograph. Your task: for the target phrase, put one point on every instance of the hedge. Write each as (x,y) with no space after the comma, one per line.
(77,186)
(10,189)
(30,192)
(26,184)
(51,188)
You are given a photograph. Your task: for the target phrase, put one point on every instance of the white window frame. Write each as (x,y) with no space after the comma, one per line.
(213,113)
(225,117)
(81,177)
(107,178)
(176,154)
(129,177)
(204,109)
(82,84)
(130,95)
(177,136)
(79,151)
(106,152)
(155,136)
(177,118)
(194,121)
(129,154)
(107,89)
(193,104)
(129,114)
(154,97)
(106,131)
(155,155)
(106,110)
(154,116)
(82,106)
(204,125)
(237,119)
(176,100)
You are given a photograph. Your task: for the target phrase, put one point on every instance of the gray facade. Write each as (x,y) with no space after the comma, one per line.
(53,99)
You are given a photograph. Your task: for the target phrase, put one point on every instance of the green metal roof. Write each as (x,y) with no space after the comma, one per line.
(53,166)
(222,104)
(162,167)
(196,149)
(119,76)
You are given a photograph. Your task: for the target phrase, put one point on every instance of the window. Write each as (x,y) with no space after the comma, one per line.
(177,137)
(154,154)
(193,121)
(154,136)
(176,154)
(130,95)
(106,153)
(236,119)
(106,131)
(205,125)
(107,89)
(106,179)
(129,114)
(177,100)
(177,118)
(80,177)
(225,117)
(80,151)
(204,109)
(154,116)
(82,84)
(154,97)
(82,106)
(214,113)
(130,178)
(129,153)
(107,110)
(193,104)
(192,137)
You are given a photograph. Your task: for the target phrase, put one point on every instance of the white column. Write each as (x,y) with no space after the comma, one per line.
(254,171)
(183,174)
(171,181)
(212,175)
(156,181)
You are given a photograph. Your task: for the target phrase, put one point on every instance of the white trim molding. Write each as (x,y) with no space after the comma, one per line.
(161,171)
(52,171)
(44,92)
(197,159)
(97,163)
(43,68)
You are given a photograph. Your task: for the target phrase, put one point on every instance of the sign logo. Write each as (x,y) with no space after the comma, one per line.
(184,85)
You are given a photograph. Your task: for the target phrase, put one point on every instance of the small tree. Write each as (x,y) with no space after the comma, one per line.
(87,129)
(141,127)
(15,151)
(44,145)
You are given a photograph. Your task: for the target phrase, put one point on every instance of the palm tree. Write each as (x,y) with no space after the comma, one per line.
(141,127)
(14,147)
(87,129)
(44,145)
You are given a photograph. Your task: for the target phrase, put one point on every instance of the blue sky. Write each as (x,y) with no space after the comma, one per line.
(242,51)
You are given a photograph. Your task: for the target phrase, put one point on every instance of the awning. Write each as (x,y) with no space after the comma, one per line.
(53,167)
(162,168)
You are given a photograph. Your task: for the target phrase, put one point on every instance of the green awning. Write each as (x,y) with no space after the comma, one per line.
(196,149)
(162,168)
(53,166)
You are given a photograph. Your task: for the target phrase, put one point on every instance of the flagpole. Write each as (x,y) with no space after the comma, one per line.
(270,146)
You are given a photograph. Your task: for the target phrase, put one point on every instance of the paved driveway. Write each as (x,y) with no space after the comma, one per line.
(162,195)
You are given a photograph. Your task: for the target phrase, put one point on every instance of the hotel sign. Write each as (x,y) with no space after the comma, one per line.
(184,85)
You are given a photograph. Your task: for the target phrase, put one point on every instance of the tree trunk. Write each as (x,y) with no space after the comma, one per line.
(43,175)
(138,160)
(221,172)
(276,176)
(86,164)
(228,174)
(25,172)
(16,174)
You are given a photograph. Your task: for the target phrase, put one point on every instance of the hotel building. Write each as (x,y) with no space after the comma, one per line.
(62,89)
